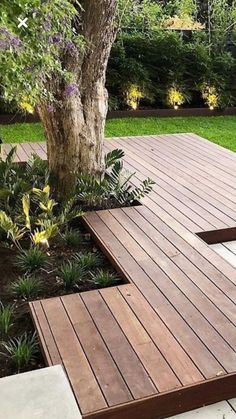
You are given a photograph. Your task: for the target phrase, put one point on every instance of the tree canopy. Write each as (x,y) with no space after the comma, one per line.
(33,51)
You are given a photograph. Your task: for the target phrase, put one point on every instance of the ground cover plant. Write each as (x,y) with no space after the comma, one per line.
(45,250)
(218,129)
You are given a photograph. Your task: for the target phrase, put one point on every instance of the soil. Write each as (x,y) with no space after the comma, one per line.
(51,286)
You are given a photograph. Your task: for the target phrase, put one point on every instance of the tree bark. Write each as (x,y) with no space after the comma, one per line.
(75,126)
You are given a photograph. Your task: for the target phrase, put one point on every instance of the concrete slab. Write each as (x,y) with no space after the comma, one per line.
(233,403)
(221,410)
(41,394)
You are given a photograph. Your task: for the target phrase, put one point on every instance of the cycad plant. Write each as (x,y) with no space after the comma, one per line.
(114,188)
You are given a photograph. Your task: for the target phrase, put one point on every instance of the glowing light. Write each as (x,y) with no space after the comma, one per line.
(210,96)
(134,94)
(175,97)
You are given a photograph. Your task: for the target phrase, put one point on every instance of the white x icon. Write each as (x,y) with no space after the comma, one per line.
(22,22)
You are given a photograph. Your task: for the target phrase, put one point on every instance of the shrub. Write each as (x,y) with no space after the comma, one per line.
(44,224)
(104,278)
(26,287)
(22,350)
(154,63)
(32,259)
(6,317)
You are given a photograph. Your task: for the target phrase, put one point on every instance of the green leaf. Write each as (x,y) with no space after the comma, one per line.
(26,209)
(113,156)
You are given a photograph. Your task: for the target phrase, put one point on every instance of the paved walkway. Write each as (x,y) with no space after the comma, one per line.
(222,410)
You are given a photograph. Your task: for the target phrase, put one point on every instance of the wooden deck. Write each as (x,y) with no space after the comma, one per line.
(25,150)
(165,342)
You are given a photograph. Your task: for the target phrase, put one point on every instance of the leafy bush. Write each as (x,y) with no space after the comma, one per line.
(176,96)
(6,317)
(32,259)
(154,63)
(26,287)
(32,213)
(22,350)
(36,218)
(17,180)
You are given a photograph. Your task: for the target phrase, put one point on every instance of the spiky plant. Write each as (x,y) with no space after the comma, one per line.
(72,238)
(31,259)
(104,278)
(89,260)
(71,274)
(26,287)
(6,317)
(22,350)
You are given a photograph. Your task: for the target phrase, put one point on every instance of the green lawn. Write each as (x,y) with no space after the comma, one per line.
(220,129)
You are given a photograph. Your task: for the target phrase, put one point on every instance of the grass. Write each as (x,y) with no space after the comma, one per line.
(219,129)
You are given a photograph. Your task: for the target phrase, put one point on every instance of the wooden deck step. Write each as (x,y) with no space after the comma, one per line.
(121,358)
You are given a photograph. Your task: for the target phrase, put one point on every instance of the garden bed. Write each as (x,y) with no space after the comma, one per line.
(50,282)
(45,251)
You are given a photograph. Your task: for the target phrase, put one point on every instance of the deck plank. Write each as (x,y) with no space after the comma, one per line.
(158,369)
(132,365)
(105,370)
(75,362)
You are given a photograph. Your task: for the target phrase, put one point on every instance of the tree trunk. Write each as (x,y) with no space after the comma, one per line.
(74,133)
(75,126)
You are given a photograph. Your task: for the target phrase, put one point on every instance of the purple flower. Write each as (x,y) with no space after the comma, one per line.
(3,45)
(50,108)
(69,45)
(8,40)
(71,89)
(55,39)
(4,31)
(15,42)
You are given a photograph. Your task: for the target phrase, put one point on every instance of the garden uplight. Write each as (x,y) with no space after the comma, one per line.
(134,94)
(175,97)
(211,96)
